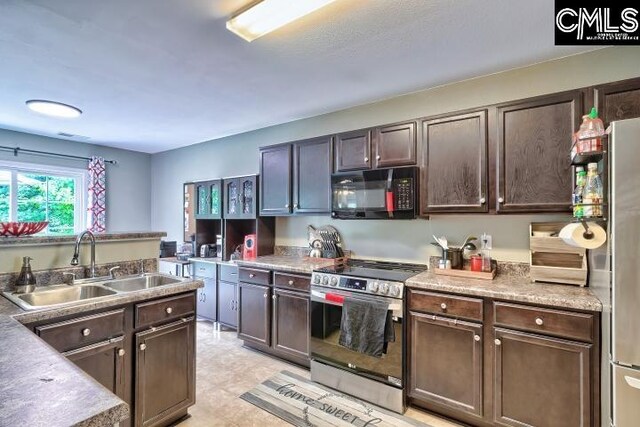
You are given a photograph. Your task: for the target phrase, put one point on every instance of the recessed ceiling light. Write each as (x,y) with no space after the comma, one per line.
(53,109)
(269,15)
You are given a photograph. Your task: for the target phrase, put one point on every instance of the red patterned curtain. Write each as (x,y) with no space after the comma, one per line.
(97,195)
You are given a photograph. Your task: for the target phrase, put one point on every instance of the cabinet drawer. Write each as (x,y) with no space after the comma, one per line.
(564,324)
(291,281)
(76,333)
(164,309)
(449,305)
(254,275)
(228,273)
(203,269)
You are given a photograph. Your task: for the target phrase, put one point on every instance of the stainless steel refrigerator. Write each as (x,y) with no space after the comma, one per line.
(615,277)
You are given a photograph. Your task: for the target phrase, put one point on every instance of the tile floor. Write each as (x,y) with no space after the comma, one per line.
(225,370)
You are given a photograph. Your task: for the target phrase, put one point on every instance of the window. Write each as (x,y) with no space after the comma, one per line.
(43,193)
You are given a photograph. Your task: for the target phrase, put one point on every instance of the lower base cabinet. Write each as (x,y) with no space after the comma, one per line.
(165,374)
(290,316)
(541,381)
(254,315)
(228,304)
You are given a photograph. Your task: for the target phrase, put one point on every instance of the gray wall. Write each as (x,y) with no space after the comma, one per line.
(238,155)
(128,182)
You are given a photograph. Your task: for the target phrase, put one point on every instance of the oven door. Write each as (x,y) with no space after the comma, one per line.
(326,314)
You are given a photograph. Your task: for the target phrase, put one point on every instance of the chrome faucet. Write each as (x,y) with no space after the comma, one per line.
(76,252)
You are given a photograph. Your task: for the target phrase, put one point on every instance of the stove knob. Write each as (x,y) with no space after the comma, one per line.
(334,281)
(394,290)
(325,280)
(384,288)
(316,279)
(373,286)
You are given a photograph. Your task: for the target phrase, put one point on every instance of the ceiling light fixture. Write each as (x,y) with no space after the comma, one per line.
(269,15)
(53,109)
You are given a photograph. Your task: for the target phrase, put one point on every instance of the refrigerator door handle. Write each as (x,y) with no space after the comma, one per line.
(633,382)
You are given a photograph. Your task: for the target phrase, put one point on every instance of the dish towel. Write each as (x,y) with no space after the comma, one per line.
(366,326)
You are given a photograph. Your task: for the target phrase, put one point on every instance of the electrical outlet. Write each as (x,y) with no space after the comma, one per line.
(488,241)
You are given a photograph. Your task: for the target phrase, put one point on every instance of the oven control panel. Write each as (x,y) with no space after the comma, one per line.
(369,286)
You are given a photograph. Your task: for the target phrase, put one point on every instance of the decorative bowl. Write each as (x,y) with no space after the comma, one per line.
(16,229)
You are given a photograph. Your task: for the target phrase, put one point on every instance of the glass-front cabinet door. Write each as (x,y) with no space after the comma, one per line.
(232,198)
(248,198)
(208,200)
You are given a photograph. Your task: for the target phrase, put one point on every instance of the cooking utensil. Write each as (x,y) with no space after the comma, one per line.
(455,256)
(468,240)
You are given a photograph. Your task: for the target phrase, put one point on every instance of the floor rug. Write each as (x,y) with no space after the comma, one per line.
(303,403)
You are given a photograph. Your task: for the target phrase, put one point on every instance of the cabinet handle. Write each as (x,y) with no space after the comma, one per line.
(476,337)
(121,352)
(378,157)
(482,200)
(265,295)
(290,282)
(295,206)
(286,205)
(500,199)
(273,297)
(539,321)
(143,347)
(443,306)
(86,332)
(251,275)
(497,341)
(169,310)
(366,159)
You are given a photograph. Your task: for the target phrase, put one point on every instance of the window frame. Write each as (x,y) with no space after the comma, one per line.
(79,175)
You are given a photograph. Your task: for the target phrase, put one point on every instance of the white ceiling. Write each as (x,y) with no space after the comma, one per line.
(151,75)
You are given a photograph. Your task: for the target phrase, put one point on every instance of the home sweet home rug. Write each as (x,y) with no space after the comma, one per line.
(301,402)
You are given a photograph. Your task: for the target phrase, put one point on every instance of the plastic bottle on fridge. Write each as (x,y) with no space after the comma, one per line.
(581,180)
(592,192)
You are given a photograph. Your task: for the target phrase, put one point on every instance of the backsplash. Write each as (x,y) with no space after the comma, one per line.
(56,276)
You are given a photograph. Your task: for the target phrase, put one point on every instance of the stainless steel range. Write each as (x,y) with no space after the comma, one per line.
(377,378)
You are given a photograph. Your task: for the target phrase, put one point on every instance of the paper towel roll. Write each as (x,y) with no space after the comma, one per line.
(573,234)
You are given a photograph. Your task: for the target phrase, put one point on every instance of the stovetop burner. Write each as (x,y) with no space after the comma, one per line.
(380,270)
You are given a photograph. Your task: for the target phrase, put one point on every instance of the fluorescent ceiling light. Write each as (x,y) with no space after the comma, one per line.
(269,15)
(53,109)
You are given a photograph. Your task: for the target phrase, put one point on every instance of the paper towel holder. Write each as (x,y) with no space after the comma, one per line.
(588,234)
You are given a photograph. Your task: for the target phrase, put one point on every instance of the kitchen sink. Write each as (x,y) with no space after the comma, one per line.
(139,283)
(63,294)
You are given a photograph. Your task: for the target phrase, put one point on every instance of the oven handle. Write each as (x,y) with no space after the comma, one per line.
(336,299)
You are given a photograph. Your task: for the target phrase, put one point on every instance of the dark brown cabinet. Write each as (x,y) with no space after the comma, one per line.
(353,150)
(534,139)
(275,180)
(227,304)
(618,101)
(208,200)
(446,362)
(541,381)
(165,374)
(312,176)
(291,322)
(395,145)
(454,163)
(254,314)
(240,197)
(104,362)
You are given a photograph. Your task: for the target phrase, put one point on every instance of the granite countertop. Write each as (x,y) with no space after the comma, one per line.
(510,288)
(211,260)
(174,260)
(100,237)
(41,387)
(292,264)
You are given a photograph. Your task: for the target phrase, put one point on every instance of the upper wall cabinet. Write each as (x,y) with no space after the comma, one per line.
(240,197)
(454,163)
(353,150)
(312,176)
(275,180)
(618,101)
(395,145)
(209,200)
(534,142)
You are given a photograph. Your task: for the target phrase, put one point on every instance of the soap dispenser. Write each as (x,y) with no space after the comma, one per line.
(26,281)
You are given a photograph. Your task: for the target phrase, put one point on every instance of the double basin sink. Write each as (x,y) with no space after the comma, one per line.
(55,295)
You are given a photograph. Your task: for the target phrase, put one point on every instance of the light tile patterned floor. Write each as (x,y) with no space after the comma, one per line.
(225,370)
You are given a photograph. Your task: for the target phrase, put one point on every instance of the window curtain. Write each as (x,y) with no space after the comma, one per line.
(97,195)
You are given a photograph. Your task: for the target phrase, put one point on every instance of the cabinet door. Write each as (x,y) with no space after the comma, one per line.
(203,201)
(232,197)
(165,374)
(534,142)
(454,151)
(446,362)
(291,322)
(248,197)
(618,101)
(215,199)
(353,150)
(541,381)
(275,180)
(227,304)
(254,314)
(312,176)
(206,304)
(104,362)
(395,145)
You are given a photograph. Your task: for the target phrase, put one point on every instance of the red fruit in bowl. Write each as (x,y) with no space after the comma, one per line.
(22,228)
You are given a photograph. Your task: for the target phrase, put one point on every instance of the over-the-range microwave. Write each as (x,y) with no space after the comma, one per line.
(375,194)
